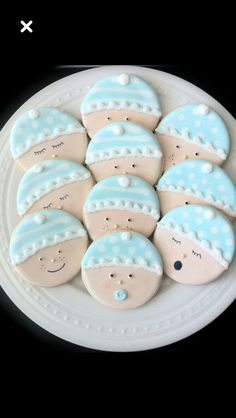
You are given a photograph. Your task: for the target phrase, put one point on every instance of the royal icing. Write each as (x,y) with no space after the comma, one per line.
(123,192)
(203,180)
(207,227)
(131,140)
(46,176)
(122,91)
(200,125)
(41,230)
(39,125)
(116,250)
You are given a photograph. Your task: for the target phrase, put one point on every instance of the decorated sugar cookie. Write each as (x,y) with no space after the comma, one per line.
(59,184)
(46,247)
(124,148)
(196,243)
(122,270)
(197,182)
(117,98)
(47,133)
(121,203)
(194,131)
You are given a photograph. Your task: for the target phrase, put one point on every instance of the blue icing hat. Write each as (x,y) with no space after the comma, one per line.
(123,249)
(39,125)
(200,125)
(122,91)
(122,139)
(125,193)
(203,180)
(41,230)
(44,177)
(206,226)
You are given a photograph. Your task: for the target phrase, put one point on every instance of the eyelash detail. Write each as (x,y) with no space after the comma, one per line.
(41,151)
(64,197)
(176,241)
(48,206)
(58,145)
(197,254)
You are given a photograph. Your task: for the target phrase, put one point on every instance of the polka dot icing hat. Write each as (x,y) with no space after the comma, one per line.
(39,125)
(122,91)
(206,226)
(123,192)
(41,230)
(122,139)
(44,177)
(203,180)
(200,125)
(123,249)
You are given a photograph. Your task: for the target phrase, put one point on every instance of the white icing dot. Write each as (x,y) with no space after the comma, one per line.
(123,79)
(181,117)
(227,256)
(113,240)
(204,180)
(216,243)
(214,131)
(217,142)
(195,186)
(229,242)
(211,117)
(207,168)
(118,130)
(209,214)
(34,125)
(38,168)
(124,181)
(201,109)
(33,114)
(40,218)
(185,215)
(191,176)
(208,192)
(217,175)
(178,171)
(197,123)
(181,182)
(221,187)
(20,131)
(200,234)
(101,248)
(148,254)
(126,236)
(49,120)
(46,131)
(116,249)
(198,210)
(142,244)
(191,164)
(132,250)
(186,226)
(214,230)
(64,117)
(199,221)
(226,228)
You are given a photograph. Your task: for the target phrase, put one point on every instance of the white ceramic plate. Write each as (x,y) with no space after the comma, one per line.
(68,311)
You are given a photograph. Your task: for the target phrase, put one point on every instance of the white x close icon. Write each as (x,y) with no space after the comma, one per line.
(26,26)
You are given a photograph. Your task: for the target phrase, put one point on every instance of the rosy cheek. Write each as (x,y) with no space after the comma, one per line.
(107,285)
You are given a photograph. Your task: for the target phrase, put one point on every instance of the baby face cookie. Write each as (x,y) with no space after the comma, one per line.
(192,132)
(197,182)
(47,133)
(121,203)
(59,184)
(120,97)
(196,243)
(122,270)
(124,148)
(46,247)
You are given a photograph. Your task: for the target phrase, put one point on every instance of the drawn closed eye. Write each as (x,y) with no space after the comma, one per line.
(64,197)
(176,241)
(41,151)
(48,206)
(196,254)
(58,145)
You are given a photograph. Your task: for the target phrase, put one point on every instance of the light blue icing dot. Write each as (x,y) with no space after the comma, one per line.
(123,192)
(199,124)
(121,294)
(122,139)
(122,91)
(41,230)
(39,125)
(44,177)
(131,252)
(213,229)
(203,180)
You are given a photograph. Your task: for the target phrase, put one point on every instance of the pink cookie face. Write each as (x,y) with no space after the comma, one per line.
(69,147)
(183,260)
(105,283)
(148,168)
(176,150)
(102,222)
(97,120)
(54,265)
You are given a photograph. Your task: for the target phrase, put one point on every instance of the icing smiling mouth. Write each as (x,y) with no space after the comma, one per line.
(54,271)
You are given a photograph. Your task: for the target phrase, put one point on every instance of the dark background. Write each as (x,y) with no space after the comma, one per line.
(29,63)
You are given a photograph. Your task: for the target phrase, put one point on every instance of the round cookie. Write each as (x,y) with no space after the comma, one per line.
(197,182)
(47,247)
(124,148)
(117,98)
(59,184)
(196,243)
(191,132)
(121,203)
(47,133)
(122,270)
